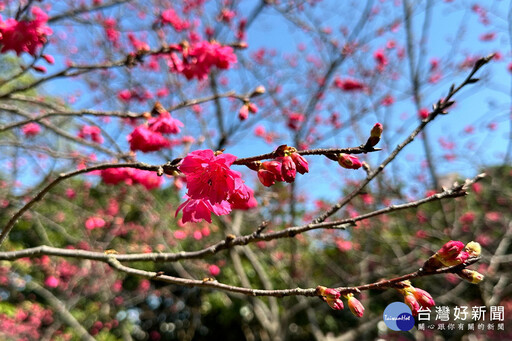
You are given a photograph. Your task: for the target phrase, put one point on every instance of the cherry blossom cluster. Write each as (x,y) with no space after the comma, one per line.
(25,35)
(148,137)
(333,298)
(92,133)
(283,168)
(198,58)
(212,187)
(130,176)
(453,253)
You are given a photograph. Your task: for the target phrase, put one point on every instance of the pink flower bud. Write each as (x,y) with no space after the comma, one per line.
(253,108)
(300,163)
(288,169)
(267,178)
(458,259)
(423,298)
(349,161)
(243,113)
(274,167)
(49,59)
(471,276)
(411,301)
(450,249)
(328,293)
(214,270)
(355,306)
(336,304)
(376,130)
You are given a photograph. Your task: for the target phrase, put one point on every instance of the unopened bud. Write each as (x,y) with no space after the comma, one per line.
(329,293)
(473,249)
(300,163)
(356,307)
(376,130)
(471,276)
(450,249)
(349,161)
(412,302)
(424,298)
(260,90)
(243,113)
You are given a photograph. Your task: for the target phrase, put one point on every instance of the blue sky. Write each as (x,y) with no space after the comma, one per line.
(477,105)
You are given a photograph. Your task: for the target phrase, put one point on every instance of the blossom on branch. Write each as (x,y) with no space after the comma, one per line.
(356,307)
(349,161)
(212,187)
(199,58)
(25,35)
(146,140)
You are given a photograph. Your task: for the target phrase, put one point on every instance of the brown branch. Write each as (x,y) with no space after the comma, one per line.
(81,10)
(10,224)
(438,108)
(309,292)
(230,241)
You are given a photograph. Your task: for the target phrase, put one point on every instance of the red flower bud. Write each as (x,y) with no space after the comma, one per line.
(288,169)
(336,304)
(300,163)
(450,249)
(411,301)
(460,258)
(349,161)
(266,177)
(376,130)
(274,167)
(423,298)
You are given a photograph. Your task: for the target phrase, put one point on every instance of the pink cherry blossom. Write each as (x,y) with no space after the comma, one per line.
(31,129)
(94,222)
(146,140)
(25,36)
(165,124)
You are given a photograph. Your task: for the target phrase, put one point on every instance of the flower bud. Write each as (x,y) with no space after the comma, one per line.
(243,113)
(266,177)
(471,276)
(260,90)
(300,163)
(411,301)
(356,307)
(349,161)
(328,293)
(473,249)
(336,304)
(458,259)
(376,130)
(288,169)
(423,298)
(253,108)
(375,135)
(274,167)
(451,249)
